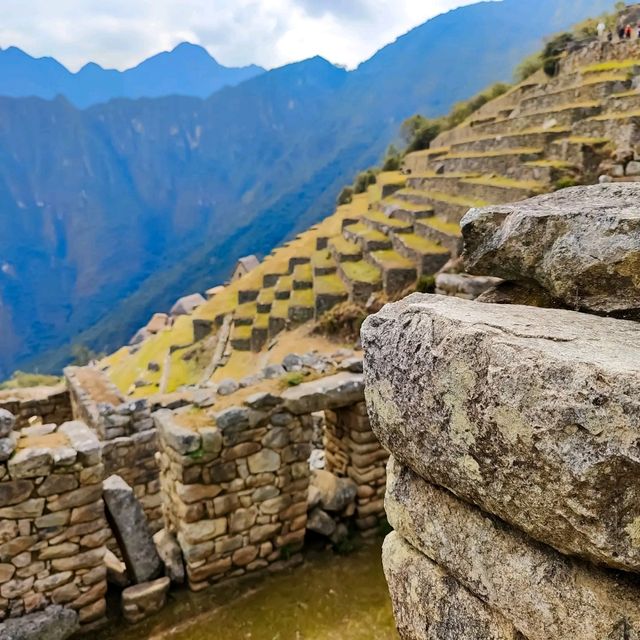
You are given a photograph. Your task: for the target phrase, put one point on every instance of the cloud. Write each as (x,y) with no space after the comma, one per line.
(120,33)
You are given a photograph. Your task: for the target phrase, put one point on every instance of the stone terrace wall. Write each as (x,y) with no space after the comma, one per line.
(514,488)
(235,483)
(52,524)
(127,433)
(51,404)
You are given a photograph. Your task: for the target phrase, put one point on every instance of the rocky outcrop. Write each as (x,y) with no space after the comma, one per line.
(580,245)
(53,623)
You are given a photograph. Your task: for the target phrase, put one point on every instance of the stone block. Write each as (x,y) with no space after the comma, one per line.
(143,600)
(532,414)
(331,392)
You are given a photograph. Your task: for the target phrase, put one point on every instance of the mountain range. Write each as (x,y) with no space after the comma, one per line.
(187,70)
(110,212)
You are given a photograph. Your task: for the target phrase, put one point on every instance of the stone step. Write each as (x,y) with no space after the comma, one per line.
(366,238)
(265,300)
(303,276)
(283,288)
(420,160)
(244,314)
(241,338)
(403,210)
(625,101)
(616,126)
(440,231)
(398,272)
(548,170)
(343,250)
(529,138)
(361,279)
(329,290)
(260,332)
(385,224)
(589,89)
(301,306)
(278,318)
(323,263)
(586,153)
(501,162)
(427,255)
(447,206)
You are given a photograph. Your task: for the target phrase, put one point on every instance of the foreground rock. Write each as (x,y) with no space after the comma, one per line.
(131,530)
(532,414)
(428,604)
(54,623)
(143,600)
(581,245)
(543,593)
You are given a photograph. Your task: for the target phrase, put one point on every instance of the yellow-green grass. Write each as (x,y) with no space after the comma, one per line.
(391,177)
(601,78)
(517,151)
(284,283)
(450,228)
(587,140)
(439,196)
(280,309)
(454,175)
(181,371)
(361,271)
(329,284)
(392,259)
(626,94)
(266,296)
(406,205)
(381,218)
(261,321)
(345,247)
(425,153)
(323,259)
(421,245)
(303,272)
(240,364)
(551,164)
(127,370)
(302,298)
(585,104)
(523,132)
(365,232)
(610,65)
(507,183)
(246,311)
(242,333)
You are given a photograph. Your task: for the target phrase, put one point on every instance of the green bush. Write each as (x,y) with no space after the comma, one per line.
(346,196)
(363,180)
(293,379)
(528,67)
(564,183)
(426,284)
(22,380)
(392,159)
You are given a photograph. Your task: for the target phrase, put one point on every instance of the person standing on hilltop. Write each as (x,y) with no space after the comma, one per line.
(627,32)
(601,29)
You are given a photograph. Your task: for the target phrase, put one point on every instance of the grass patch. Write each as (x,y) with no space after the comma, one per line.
(361,271)
(448,228)
(507,183)
(588,141)
(329,284)
(392,259)
(266,296)
(22,380)
(610,65)
(243,332)
(461,201)
(280,309)
(345,247)
(303,273)
(302,298)
(622,115)
(551,164)
(381,218)
(323,260)
(261,321)
(421,245)
(246,311)
(518,151)
(367,233)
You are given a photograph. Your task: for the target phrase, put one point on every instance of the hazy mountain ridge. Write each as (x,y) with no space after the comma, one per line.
(110,213)
(187,70)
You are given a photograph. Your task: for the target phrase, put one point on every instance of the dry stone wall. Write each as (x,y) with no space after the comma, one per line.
(514,482)
(52,525)
(50,405)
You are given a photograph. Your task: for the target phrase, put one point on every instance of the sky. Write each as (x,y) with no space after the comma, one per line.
(121,33)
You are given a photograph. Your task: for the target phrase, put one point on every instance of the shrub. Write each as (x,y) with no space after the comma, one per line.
(293,379)
(392,159)
(363,180)
(564,183)
(22,380)
(426,284)
(528,67)
(346,196)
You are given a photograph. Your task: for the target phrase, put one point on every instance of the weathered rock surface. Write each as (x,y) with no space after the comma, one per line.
(334,493)
(581,245)
(7,423)
(131,530)
(339,390)
(543,593)
(170,554)
(428,604)
(533,414)
(143,600)
(321,522)
(54,623)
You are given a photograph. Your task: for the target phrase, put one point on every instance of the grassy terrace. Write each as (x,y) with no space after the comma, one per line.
(586,140)
(507,183)
(622,115)
(261,321)
(610,65)
(522,132)
(365,232)
(323,259)
(551,164)
(425,153)
(519,151)
(406,205)
(586,104)
(361,271)
(302,298)
(246,311)
(454,175)
(391,259)
(381,218)
(242,333)
(266,296)
(345,247)
(421,245)
(303,273)
(329,284)
(604,77)
(280,309)
(449,228)
(626,94)
(284,284)
(448,198)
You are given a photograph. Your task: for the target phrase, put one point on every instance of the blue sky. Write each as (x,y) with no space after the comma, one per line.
(120,33)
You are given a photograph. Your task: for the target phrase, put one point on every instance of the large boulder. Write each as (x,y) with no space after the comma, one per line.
(543,593)
(131,530)
(581,245)
(428,604)
(54,623)
(532,414)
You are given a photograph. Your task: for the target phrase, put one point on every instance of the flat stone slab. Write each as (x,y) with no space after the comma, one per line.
(131,530)
(54,623)
(332,392)
(532,414)
(543,593)
(428,604)
(581,245)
